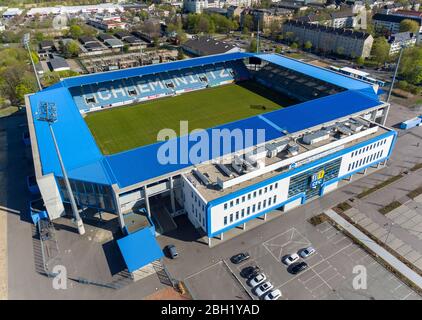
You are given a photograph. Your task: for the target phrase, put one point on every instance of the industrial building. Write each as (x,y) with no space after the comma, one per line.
(334,131)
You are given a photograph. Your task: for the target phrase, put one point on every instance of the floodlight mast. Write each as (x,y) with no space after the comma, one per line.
(47,112)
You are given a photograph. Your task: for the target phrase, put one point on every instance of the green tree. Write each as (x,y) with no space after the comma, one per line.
(294,45)
(35,57)
(75,31)
(360,61)
(180,55)
(409,25)
(72,49)
(253,46)
(380,50)
(247,22)
(308,45)
(278,49)
(411,65)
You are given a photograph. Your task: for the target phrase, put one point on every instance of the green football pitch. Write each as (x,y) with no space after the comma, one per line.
(125,128)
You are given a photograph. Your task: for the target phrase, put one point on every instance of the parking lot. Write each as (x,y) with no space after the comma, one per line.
(330,273)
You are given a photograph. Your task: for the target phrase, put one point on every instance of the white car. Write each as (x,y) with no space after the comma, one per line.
(257,280)
(307,252)
(263,288)
(273,295)
(291,258)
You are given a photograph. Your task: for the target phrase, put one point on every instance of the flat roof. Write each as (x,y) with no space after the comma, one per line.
(210,193)
(84,160)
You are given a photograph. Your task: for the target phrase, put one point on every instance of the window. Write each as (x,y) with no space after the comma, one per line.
(237,201)
(237,215)
(264,203)
(225,206)
(249,196)
(275,199)
(254,194)
(260,191)
(276,185)
(348,169)
(265,190)
(243,199)
(259,205)
(231,218)
(231,204)
(271,187)
(269,201)
(248,210)
(90,99)
(243,213)
(253,208)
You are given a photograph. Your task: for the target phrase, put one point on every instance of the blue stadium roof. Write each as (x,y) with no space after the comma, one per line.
(84,160)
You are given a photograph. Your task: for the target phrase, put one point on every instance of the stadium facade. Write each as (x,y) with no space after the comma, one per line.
(336,130)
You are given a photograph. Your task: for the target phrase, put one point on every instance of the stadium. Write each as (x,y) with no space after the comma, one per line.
(320,129)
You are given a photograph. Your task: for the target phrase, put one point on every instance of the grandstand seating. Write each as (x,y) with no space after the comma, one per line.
(125,91)
(291,83)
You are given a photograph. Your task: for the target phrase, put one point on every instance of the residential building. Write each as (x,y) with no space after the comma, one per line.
(390,23)
(331,40)
(401,39)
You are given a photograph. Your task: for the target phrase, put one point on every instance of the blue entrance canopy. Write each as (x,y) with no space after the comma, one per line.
(139,249)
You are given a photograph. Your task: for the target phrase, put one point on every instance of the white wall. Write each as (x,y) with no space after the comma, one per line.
(355,157)
(195,205)
(218,212)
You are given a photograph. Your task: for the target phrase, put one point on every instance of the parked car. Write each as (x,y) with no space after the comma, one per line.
(263,288)
(291,258)
(240,257)
(298,267)
(249,272)
(307,252)
(257,280)
(171,251)
(273,295)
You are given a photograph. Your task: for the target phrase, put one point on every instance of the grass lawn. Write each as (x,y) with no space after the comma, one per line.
(125,128)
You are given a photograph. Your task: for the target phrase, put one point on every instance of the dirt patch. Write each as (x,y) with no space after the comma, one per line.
(167,294)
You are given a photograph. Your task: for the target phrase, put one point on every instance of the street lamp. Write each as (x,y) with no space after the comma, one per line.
(26,38)
(395,73)
(47,112)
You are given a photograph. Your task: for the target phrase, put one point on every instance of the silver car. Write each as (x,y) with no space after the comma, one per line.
(307,252)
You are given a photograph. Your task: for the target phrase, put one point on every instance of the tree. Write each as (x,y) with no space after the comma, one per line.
(411,65)
(247,22)
(71,49)
(253,46)
(180,55)
(294,45)
(35,57)
(278,49)
(289,36)
(409,25)
(308,45)
(75,31)
(360,61)
(380,50)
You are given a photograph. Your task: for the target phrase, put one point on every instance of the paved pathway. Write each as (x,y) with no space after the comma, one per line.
(381,252)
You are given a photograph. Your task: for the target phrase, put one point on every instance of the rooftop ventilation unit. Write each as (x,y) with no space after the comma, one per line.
(274,148)
(316,137)
(344,130)
(224,169)
(293,149)
(203,179)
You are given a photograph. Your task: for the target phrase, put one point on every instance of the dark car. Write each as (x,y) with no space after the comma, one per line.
(249,272)
(171,251)
(298,267)
(240,257)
